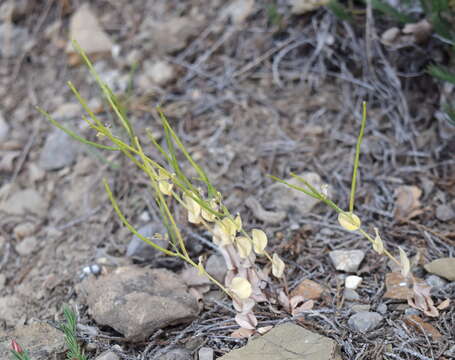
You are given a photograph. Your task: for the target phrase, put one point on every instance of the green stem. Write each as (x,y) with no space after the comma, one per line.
(357,156)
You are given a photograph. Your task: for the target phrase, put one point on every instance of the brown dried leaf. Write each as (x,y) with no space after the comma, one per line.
(396,287)
(444,305)
(308,305)
(421,299)
(417,323)
(308,289)
(246,321)
(242,333)
(407,204)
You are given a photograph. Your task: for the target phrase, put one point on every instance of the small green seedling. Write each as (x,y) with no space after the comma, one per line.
(69,329)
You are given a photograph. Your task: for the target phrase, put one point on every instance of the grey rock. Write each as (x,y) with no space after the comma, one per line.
(411,311)
(140,249)
(351,295)
(177,354)
(43,341)
(347,260)
(435,281)
(445,212)
(108,355)
(27,246)
(444,267)
(4,128)
(282,198)
(285,342)
(206,353)
(216,266)
(382,308)
(137,301)
(2,281)
(24,201)
(16,37)
(364,321)
(11,309)
(59,150)
(360,307)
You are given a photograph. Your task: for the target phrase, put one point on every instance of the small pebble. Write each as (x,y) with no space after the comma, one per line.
(382,308)
(351,295)
(360,307)
(2,281)
(435,281)
(27,246)
(177,354)
(352,282)
(347,260)
(364,321)
(206,353)
(23,230)
(107,355)
(411,311)
(445,212)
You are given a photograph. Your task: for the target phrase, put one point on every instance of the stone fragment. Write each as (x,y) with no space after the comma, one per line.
(351,295)
(13,39)
(177,354)
(445,212)
(2,281)
(43,341)
(444,267)
(160,72)
(140,249)
(352,282)
(309,289)
(24,201)
(11,309)
(435,281)
(287,342)
(137,301)
(283,198)
(24,229)
(382,308)
(360,307)
(347,260)
(238,10)
(87,31)
(59,150)
(364,321)
(108,355)
(206,353)
(216,267)
(27,246)
(4,128)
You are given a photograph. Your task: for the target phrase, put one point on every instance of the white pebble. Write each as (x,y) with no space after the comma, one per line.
(352,282)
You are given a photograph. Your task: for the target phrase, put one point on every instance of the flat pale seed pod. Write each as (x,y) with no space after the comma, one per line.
(277,266)
(165,187)
(259,241)
(405,263)
(194,210)
(378,245)
(349,221)
(238,223)
(241,287)
(244,246)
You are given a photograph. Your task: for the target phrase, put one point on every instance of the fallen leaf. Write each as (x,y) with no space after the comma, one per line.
(421,299)
(242,333)
(444,267)
(444,305)
(417,323)
(407,204)
(246,321)
(308,289)
(396,287)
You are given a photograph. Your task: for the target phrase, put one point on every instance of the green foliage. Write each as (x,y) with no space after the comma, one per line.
(339,10)
(20,356)
(69,329)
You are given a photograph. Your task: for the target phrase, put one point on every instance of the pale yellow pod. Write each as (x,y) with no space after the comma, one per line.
(259,241)
(241,287)
(349,221)
(405,263)
(277,266)
(244,246)
(378,245)
(194,210)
